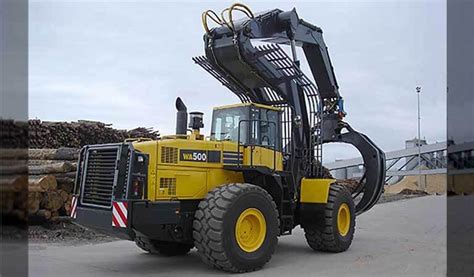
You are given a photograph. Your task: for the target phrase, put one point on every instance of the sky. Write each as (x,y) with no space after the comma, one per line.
(125,62)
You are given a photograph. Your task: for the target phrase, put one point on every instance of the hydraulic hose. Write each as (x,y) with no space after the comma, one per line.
(213,16)
(238,7)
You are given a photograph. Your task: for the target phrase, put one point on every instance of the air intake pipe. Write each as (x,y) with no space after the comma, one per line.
(181,117)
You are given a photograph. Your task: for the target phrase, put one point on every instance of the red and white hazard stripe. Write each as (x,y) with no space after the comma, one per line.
(74,207)
(119,214)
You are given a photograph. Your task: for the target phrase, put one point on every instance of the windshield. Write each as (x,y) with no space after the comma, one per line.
(225,124)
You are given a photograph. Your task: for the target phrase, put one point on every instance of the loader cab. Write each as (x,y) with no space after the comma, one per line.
(247,124)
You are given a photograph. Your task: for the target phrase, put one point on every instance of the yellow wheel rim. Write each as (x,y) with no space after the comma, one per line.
(250,230)
(343,219)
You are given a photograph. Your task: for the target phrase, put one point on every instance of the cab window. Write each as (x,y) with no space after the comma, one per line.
(225,124)
(251,125)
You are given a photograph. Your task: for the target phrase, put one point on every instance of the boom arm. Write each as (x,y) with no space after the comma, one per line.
(265,74)
(280,27)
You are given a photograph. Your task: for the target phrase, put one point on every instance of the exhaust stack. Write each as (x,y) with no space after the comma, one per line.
(181,117)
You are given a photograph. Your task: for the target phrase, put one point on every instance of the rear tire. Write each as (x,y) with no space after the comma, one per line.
(165,248)
(337,232)
(243,209)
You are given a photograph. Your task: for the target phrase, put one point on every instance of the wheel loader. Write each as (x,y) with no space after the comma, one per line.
(258,174)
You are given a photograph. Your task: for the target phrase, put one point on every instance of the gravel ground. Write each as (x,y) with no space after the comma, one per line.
(65,232)
(385,198)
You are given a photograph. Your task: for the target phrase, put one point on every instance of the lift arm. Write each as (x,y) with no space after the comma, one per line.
(280,27)
(265,74)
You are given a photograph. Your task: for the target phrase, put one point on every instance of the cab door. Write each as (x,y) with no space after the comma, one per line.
(265,138)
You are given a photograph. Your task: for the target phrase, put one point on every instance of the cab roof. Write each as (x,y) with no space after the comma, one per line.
(246,105)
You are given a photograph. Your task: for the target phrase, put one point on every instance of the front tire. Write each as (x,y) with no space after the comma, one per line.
(236,228)
(337,231)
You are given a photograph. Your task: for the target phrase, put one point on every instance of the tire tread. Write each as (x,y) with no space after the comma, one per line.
(208,224)
(323,238)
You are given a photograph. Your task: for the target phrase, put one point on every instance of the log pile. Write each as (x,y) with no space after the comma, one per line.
(350,184)
(46,192)
(13,134)
(13,192)
(44,134)
(13,169)
(50,182)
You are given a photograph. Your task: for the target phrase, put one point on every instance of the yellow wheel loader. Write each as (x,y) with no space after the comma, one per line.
(257,176)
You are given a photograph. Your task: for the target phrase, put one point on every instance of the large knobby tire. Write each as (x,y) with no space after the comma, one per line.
(242,209)
(165,248)
(337,232)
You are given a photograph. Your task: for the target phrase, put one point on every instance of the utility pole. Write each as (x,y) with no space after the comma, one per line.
(418,91)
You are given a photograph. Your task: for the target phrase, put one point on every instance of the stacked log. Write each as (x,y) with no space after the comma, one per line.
(142,132)
(14,134)
(41,183)
(12,187)
(350,184)
(52,155)
(51,182)
(44,134)
(13,170)
(50,162)
(40,188)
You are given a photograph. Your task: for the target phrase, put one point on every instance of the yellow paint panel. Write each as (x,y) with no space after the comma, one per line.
(188,183)
(315,190)
(190,144)
(194,179)
(266,157)
(191,184)
(216,177)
